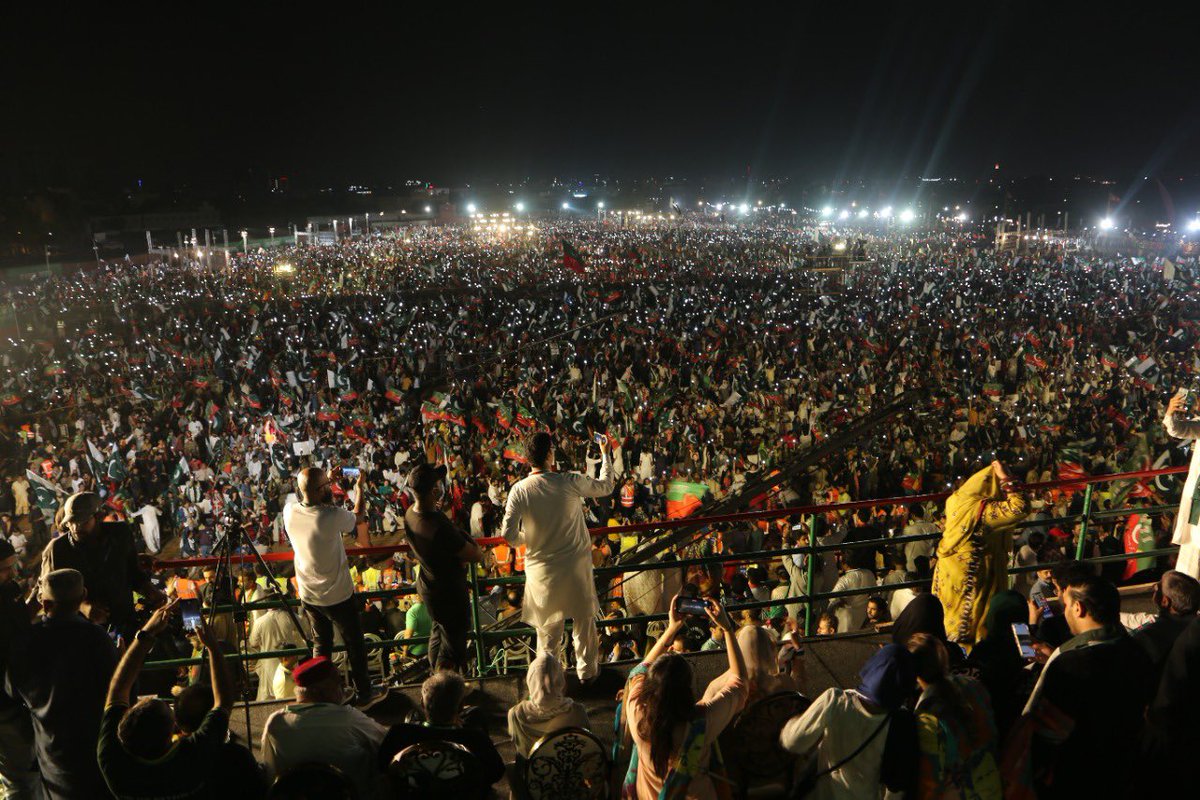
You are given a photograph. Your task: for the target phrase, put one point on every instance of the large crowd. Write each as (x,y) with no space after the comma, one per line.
(664,362)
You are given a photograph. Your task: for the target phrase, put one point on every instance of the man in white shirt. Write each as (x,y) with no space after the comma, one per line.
(546,510)
(315,529)
(317,727)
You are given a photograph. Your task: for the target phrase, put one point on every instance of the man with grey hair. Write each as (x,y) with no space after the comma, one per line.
(1177,599)
(103,552)
(442,696)
(62,676)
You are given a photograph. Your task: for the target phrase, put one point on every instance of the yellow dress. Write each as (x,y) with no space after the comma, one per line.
(972,557)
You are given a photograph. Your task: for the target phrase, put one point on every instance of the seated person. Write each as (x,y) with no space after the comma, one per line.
(317,727)
(442,697)
(764,676)
(235,772)
(547,709)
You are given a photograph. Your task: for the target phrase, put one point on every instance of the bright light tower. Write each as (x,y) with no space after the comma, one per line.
(907,215)
(600,204)
(744,208)
(1107,224)
(566,206)
(428,209)
(470,208)
(1194,225)
(886,211)
(844,214)
(962,216)
(827,211)
(862,214)
(272,230)
(520,207)
(245,246)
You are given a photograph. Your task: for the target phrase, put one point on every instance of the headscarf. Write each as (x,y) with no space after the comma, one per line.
(1005,608)
(888,677)
(547,684)
(923,614)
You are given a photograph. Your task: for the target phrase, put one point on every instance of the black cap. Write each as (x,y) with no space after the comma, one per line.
(424,477)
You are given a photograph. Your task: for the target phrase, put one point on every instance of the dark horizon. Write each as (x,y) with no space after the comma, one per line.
(355,95)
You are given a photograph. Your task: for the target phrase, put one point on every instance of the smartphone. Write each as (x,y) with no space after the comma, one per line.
(189,611)
(1024,640)
(350,472)
(692,606)
(1044,605)
(600,439)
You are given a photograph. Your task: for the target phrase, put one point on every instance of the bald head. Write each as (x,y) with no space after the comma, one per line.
(313,485)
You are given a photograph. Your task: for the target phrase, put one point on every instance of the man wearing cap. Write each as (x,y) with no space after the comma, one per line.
(103,552)
(62,676)
(442,551)
(317,727)
(315,528)
(18,775)
(546,509)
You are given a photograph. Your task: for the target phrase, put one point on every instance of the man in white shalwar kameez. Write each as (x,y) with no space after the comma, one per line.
(1187,522)
(546,511)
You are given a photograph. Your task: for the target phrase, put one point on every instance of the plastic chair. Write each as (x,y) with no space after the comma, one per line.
(750,746)
(568,764)
(437,770)
(312,781)
(374,654)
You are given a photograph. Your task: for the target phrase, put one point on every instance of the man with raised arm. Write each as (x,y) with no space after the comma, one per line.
(137,753)
(315,528)
(546,510)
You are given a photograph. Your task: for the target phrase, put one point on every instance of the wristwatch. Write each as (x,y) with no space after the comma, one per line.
(144,636)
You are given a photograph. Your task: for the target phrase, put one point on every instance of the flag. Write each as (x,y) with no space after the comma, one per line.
(116,468)
(572,260)
(515,451)
(45,493)
(9,399)
(1034,361)
(53,368)
(993,390)
(181,472)
(1139,538)
(392,393)
(684,498)
(328,414)
(505,417)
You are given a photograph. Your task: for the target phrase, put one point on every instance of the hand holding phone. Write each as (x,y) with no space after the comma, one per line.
(1024,641)
(350,472)
(692,606)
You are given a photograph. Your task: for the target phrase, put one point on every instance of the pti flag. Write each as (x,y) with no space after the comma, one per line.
(1139,538)
(572,260)
(684,498)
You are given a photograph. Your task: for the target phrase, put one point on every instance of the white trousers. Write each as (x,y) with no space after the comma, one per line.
(587,644)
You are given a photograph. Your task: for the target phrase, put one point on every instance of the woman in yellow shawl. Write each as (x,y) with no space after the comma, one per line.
(972,557)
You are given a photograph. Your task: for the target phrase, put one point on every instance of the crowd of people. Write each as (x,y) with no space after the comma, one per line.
(452,386)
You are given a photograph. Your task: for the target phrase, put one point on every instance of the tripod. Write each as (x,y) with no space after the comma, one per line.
(223,551)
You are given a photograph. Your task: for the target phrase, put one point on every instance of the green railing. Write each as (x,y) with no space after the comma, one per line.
(482,637)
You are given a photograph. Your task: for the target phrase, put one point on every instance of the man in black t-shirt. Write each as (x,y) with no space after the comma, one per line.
(442,551)
(135,751)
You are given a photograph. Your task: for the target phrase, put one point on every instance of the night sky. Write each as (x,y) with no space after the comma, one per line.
(351,93)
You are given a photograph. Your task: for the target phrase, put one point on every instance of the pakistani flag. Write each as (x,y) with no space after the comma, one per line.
(572,260)
(515,451)
(45,493)
(181,472)
(684,498)
(116,469)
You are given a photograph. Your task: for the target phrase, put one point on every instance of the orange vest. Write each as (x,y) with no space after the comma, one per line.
(186,589)
(520,566)
(502,554)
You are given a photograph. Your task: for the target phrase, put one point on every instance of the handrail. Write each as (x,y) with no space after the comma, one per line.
(775,513)
(480,637)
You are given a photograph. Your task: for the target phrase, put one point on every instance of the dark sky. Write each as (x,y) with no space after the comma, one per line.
(350,92)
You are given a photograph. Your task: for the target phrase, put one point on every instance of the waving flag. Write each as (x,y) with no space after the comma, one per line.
(684,498)
(572,260)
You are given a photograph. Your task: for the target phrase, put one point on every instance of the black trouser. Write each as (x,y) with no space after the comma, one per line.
(345,616)
(451,620)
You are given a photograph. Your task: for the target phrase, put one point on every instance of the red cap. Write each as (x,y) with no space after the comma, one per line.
(313,671)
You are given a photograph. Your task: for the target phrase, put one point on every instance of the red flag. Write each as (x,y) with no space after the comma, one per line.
(572,260)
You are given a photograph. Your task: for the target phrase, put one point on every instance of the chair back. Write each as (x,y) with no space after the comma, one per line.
(436,770)
(750,746)
(568,764)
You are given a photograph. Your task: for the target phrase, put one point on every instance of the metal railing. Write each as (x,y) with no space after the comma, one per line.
(809,599)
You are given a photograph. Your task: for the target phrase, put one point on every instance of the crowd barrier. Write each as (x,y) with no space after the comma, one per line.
(483,638)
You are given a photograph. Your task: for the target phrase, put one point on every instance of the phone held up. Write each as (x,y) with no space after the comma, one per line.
(350,472)
(1024,640)
(692,606)
(189,612)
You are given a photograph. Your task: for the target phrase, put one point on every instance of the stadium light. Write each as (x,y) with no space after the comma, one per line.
(470,208)
(600,204)
(428,209)
(520,207)
(886,212)
(1107,224)
(862,214)
(907,215)
(844,214)
(744,208)
(1194,225)
(827,211)
(566,205)
(962,216)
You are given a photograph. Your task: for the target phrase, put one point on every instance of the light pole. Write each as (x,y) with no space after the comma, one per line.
(272,230)
(245,246)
